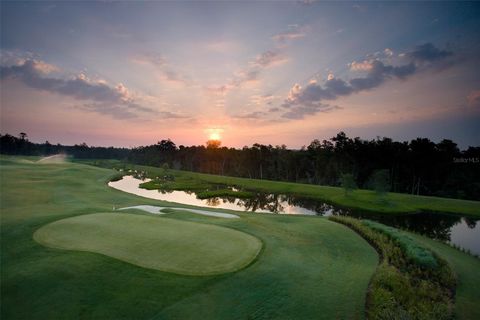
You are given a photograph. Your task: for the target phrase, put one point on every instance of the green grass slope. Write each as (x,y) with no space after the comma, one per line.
(359,199)
(162,244)
(309,267)
(321,266)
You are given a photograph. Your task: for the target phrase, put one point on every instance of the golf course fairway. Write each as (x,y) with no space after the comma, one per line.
(163,244)
(308,267)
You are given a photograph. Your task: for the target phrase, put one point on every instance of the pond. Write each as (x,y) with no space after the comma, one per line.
(461,231)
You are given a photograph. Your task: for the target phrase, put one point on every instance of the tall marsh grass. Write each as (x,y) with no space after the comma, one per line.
(406,284)
(420,255)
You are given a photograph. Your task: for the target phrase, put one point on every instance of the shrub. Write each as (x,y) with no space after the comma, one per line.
(348,183)
(380,181)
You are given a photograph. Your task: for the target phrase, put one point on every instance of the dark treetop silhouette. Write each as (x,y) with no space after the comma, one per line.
(418,167)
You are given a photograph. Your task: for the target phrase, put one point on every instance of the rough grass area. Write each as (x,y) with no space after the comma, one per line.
(359,199)
(402,287)
(309,267)
(412,249)
(163,244)
(466,268)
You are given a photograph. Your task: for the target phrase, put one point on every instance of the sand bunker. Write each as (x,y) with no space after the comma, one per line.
(158,210)
(56,158)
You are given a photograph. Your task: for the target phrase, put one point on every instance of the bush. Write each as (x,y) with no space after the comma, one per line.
(380,181)
(348,183)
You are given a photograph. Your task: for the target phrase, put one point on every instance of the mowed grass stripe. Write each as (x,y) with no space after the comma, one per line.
(181,247)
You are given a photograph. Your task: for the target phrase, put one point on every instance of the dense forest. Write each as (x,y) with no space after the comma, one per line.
(419,167)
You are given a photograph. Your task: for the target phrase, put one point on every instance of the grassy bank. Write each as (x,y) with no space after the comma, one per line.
(309,266)
(466,267)
(359,199)
(410,282)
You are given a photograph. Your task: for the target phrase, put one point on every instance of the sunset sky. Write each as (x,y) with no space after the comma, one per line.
(133,73)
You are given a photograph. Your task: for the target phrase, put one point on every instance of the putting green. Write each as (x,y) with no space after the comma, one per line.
(157,243)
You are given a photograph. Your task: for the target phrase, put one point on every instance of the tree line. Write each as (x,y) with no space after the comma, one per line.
(20,145)
(420,166)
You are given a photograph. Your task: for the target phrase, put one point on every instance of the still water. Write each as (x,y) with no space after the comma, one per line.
(461,231)
(262,203)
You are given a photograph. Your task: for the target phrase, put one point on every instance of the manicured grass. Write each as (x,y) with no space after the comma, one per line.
(224,193)
(163,244)
(309,267)
(359,199)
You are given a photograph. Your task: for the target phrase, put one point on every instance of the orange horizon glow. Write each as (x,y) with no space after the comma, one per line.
(214,134)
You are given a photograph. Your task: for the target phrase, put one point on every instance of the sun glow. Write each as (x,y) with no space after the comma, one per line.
(214,134)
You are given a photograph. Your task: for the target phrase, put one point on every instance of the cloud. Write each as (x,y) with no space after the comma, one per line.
(428,53)
(295,33)
(160,63)
(121,112)
(221,46)
(361,66)
(251,73)
(150,58)
(379,73)
(244,76)
(219,90)
(303,111)
(474,98)
(33,74)
(251,115)
(388,52)
(116,101)
(263,61)
(309,100)
(269,58)
(261,100)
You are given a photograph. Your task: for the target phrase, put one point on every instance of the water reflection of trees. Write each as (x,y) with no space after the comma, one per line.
(263,201)
(213,202)
(276,203)
(471,223)
(433,225)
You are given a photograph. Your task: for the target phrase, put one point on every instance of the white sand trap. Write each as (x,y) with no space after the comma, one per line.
(158,210)
(56,158)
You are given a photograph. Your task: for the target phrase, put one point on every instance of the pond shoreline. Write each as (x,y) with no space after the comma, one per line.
(455,230)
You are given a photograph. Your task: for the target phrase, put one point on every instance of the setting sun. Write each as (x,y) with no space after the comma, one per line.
(214,133)
(214,136)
